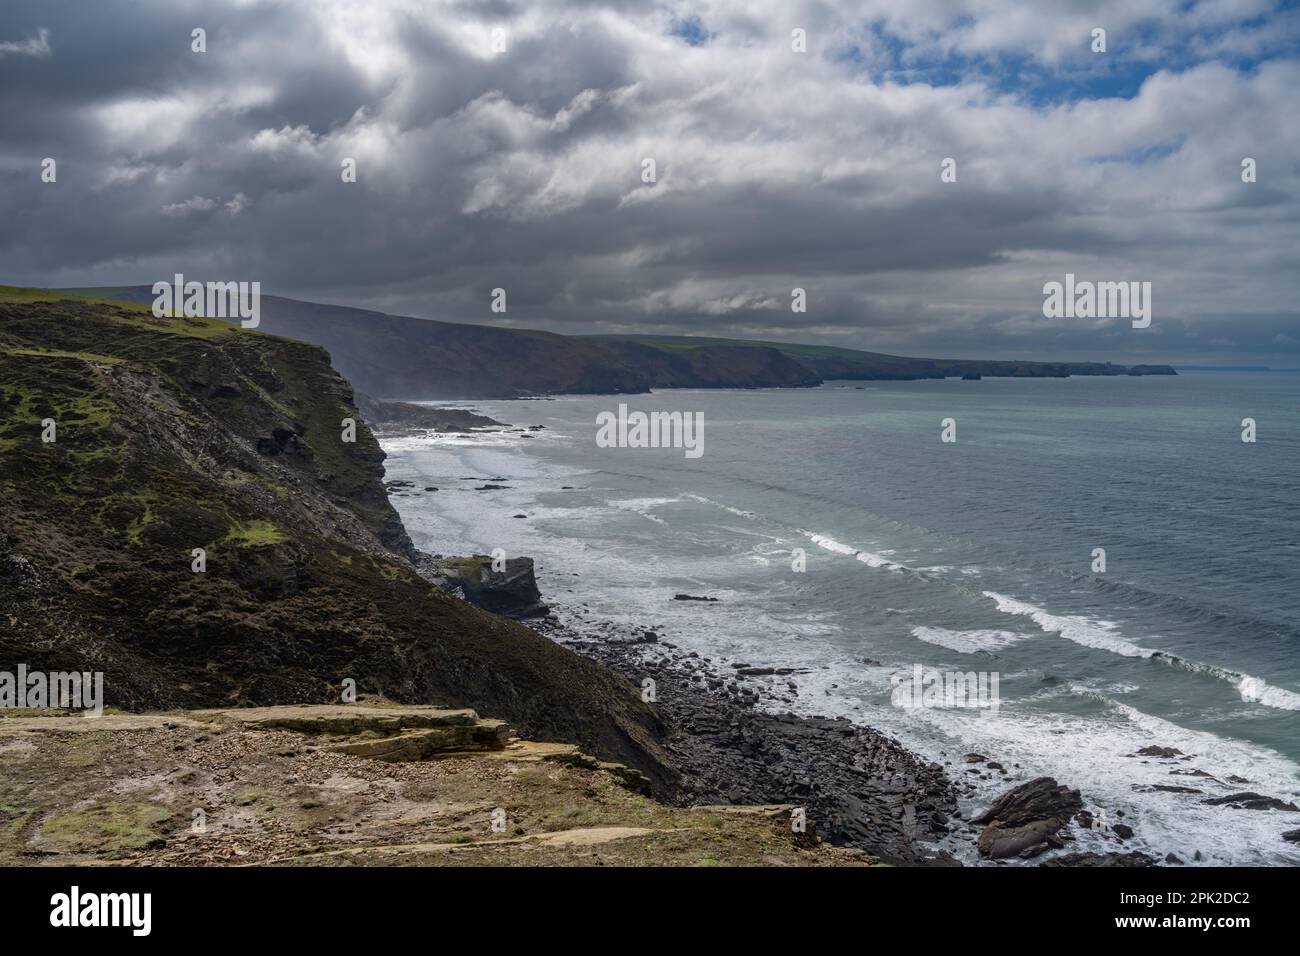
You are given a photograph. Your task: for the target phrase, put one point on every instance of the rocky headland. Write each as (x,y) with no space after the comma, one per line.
(198,512)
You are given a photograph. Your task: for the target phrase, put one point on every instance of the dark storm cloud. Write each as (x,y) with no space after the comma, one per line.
(522,169)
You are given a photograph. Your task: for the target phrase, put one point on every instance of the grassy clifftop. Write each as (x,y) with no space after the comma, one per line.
(182,434)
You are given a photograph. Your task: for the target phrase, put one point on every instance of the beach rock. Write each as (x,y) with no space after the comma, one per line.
(692,597)
(1291,836)
(1026,820)
(999,842)
(1251,801)
(1102,860)
(1159,752)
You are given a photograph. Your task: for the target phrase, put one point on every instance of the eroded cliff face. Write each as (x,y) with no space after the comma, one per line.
(172,435)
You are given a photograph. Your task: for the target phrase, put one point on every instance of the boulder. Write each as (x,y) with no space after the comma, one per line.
(1027,820)
(1160,752)
(1251,801)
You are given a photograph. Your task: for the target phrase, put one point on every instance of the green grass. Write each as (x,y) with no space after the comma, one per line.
(254,534)
(111,827)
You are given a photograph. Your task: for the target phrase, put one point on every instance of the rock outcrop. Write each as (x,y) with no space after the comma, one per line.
(511,591)
(1027,820)
(203,533)
(1250,800)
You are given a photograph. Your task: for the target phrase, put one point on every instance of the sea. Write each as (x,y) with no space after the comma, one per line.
(1110,549)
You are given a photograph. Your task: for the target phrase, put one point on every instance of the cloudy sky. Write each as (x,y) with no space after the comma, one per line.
(521,168)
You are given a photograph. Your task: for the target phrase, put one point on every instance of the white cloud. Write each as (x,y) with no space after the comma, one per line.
(36,46)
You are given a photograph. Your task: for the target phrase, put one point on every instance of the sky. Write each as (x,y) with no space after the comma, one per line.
(503,144)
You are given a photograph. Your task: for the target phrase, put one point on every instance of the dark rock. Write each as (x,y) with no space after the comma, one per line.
(1251,801)
(1102,860)
(1027,819)
(512,592)
(691,597)
(1159,752)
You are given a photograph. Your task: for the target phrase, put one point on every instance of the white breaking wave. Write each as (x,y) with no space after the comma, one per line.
(1073,627)
(1253,690)
(966,642)
(719,504)
(643,506)
(869,558)
(1101,635)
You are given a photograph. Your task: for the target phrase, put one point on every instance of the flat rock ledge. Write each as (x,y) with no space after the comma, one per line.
(370,783)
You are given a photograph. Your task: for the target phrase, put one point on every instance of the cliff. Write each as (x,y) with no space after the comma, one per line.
(398,357)
(827,363)
(712,366)
(182,434)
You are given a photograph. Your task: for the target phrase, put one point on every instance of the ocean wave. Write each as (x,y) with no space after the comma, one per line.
(967,642)
(1088,632)
(642,506)
(1101,635)
(869,558)
(718,504)
(488,438)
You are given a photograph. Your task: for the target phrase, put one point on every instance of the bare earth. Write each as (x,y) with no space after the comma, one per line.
(362,784)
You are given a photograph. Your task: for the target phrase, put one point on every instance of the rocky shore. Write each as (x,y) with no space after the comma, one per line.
(728,740)
(863,788)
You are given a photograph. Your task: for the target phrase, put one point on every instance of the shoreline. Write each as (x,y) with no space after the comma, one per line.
(862,788)
(730,742)
(734,739)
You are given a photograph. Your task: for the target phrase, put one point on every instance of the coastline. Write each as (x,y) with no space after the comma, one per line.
(1161,777)
(862,788)
(731,740)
